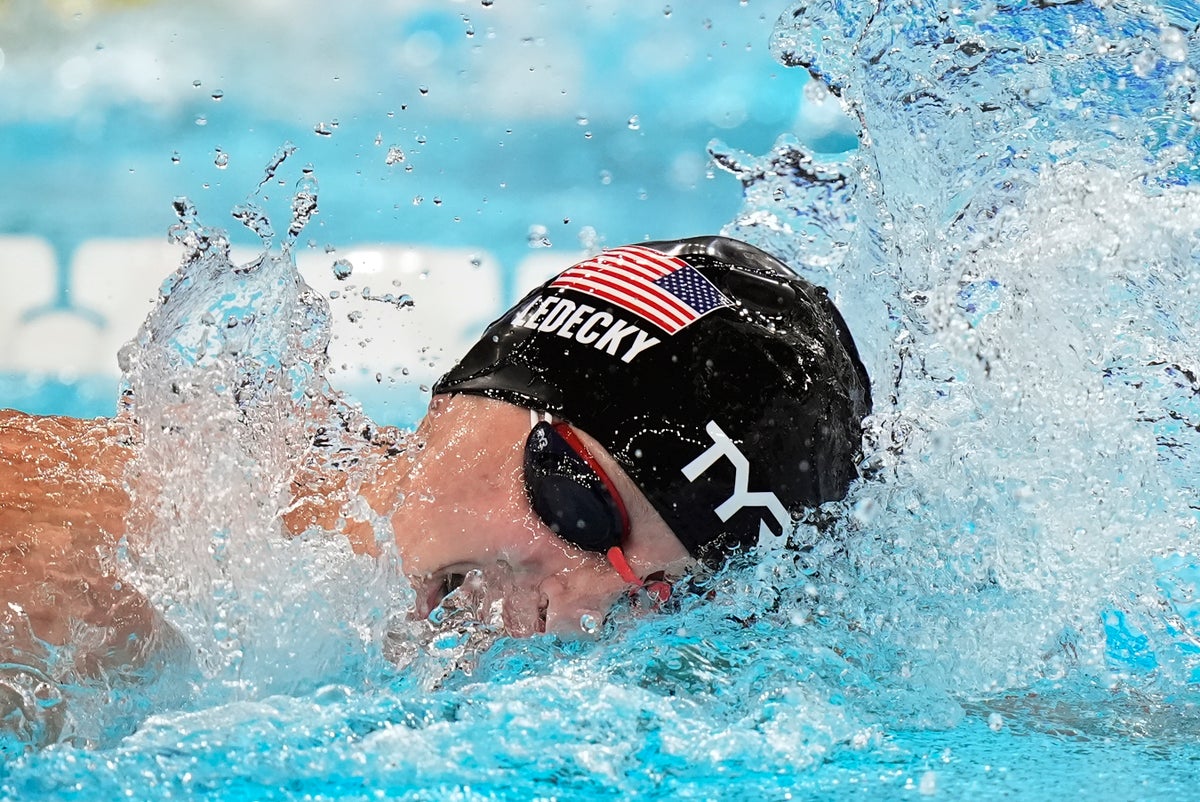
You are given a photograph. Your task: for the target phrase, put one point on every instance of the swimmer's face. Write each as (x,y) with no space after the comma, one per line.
(466,518)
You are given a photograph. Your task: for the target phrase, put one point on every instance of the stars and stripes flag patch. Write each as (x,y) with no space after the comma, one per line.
(665,290)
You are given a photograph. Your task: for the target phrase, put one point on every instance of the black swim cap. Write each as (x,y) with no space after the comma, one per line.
(727,387)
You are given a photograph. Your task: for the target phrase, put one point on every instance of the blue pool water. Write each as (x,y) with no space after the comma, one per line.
(1006,607)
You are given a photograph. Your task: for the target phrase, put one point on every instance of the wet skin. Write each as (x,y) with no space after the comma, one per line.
(455,499)
(465,509)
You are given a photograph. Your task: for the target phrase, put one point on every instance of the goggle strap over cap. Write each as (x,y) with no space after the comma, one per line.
(568,434)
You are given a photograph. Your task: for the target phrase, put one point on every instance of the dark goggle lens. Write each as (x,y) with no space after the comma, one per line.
(567,494)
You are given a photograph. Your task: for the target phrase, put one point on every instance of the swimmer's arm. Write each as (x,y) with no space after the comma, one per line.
(340,491)
(62,509)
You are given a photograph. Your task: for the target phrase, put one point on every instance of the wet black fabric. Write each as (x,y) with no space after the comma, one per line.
(776,371)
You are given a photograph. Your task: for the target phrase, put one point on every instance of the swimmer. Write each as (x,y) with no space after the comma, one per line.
(654,407)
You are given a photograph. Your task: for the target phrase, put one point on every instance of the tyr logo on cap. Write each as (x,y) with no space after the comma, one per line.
(723,446)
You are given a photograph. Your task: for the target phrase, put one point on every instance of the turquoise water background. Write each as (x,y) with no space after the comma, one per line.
(1006,605)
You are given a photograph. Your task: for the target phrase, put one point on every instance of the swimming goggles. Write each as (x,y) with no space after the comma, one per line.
(573,496)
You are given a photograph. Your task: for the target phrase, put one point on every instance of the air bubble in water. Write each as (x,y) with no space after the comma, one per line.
(221,160)
(588,623)
(1174,44)
(635,123)
(928,784)
(394,156)
(1144,63)
(342,269)
(218,95)
(322,129)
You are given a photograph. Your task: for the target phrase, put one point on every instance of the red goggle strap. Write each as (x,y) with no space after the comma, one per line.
(659,591)
(567,433)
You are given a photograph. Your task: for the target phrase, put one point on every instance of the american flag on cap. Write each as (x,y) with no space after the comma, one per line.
(662,289)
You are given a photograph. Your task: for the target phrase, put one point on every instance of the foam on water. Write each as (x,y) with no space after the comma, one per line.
(1014,246)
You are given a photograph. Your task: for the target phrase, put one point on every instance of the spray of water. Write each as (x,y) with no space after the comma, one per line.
(1015,246)
(226,383)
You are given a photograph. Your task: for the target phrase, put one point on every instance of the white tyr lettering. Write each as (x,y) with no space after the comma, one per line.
(724,447)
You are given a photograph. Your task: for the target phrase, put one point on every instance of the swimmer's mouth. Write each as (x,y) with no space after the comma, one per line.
(434,600)
(435,589)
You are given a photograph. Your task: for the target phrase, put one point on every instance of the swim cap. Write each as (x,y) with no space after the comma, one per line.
(727,387)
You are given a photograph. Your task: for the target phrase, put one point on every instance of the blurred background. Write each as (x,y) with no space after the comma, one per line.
(462,150)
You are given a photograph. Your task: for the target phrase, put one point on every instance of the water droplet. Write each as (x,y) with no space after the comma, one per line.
(666,11)
(196,83)
(201,120)
(437,201)
(538,237)
(322,129)
(487,3)
(418,200)
(605,177)
(221,160)
(175,157)
(588,623)
(635,123)
(424,90)
(424,388)
(581,119)
(379,139)
(394,156)
(995,722)
(421,139)
(335,294)
(342,269)
(354,316)
(218,95)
